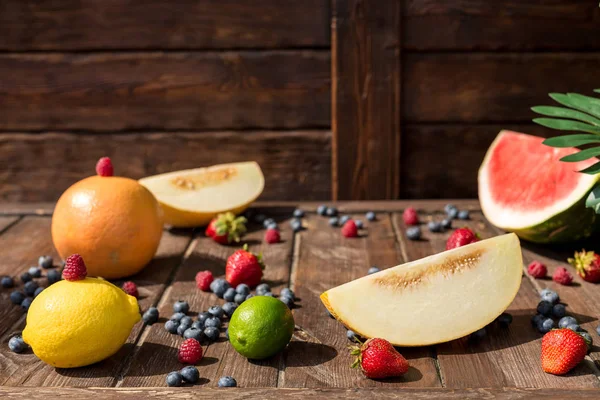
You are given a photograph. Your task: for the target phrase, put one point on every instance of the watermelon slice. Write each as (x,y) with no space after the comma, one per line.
(524,188)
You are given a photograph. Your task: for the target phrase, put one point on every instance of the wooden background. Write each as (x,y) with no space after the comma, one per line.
(363,99)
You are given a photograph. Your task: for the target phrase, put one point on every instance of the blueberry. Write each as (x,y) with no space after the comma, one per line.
(203,316)
(287,292)
(351,336)
(544,308)
(588,339)
(242,288)
(273,226)
(446,223)
(550,296)
(559,310)
(229,308)
(268,294)
(35,272)
(197,325)
(344,219)
(505,319)
(177,316)
(479,334)
(174,379)
(227,381)
(38,291)
(263,288)
(331,211)
(566,321)
(574,327)
(370,216)
(322,209)
(7,282)
(448,207)
(334,221)
(288,301)
(16,344)
(451,211)
(372,270)
(227,333)
(536,320)
(413,233)
(239,298)
(45,262)
(260,218)
(249,296)
(26,303)
(229,294)
(53,276)
(216,311)
(186,321)
(211,333)
(150,316)
(190,374)
(181,306)
(25,277)
(193,333)
(329,314)
(17,297)
(30,287)
(435,226)
(358,223)
(267,222)
(219,286)
(598,329)
(296,225)
(171,326)
(546,326)
(182,328)
(214,322)
(298,213)
(464,214)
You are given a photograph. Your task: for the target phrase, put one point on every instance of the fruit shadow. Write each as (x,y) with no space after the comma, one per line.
(201,261)
(561,251)
(518,333)
(308,354)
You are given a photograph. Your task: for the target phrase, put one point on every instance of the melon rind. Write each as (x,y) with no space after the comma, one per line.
(566,221)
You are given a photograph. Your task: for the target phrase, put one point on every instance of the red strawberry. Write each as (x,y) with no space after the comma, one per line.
(104,167)
(75,269)
(587,265)
(349,229)
(378,359)
(410,216)
(537,270)
(562,276)
(190,352)
(244,267)
(203,280)
(272,236)
(461,237)
(562,350)
(130,288)
(226,228)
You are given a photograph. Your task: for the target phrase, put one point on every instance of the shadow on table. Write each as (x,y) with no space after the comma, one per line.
(307,354)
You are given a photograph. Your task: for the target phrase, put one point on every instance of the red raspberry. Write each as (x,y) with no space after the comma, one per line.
(461,237)
(104,167)
(130,288)
(537,270)
(75,269)
(190,351)
(349,229)
(203,280)
(272,236)
(562,276)
(410,216)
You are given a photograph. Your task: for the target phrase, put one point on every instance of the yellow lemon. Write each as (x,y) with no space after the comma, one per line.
(72,324)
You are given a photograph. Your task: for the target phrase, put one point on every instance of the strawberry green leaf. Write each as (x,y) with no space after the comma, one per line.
(593,170)
(567,125)
(593,199)
(572,140)
(578,102)
(566,113)
(582,155)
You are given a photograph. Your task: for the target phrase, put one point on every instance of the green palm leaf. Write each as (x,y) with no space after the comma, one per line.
(593,170)
(572,140)
(566,113)
(582,155)
(567,125)
(578,102)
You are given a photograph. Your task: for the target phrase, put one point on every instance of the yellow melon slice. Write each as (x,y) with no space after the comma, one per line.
(193,197)
(433,300)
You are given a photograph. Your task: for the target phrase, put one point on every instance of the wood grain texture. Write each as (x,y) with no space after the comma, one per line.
(506,357)
(500,25)
(366,99)
(442,160)
(153,24)
(6,222)
(164,91)
(28,370)
(295,164)
(324,260)
(490,87)
(156,354)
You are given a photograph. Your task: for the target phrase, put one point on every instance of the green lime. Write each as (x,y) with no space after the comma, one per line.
(261,327)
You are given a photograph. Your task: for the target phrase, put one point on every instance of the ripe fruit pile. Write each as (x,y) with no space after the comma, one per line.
(413,232)
(31,282)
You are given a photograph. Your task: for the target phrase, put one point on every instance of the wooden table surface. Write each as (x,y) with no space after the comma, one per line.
(504,365)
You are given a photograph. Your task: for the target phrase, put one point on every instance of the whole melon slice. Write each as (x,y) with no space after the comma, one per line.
(433,300)
(524,188)
(195,196)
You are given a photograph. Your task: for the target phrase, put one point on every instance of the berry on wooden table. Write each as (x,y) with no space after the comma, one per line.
(559,311)
(298,213)
(587,265)
(549,296)
(130,288)
(334,221)
(35,272)
(370,216)
(17,345)
(321,210)
(434,226)
(45,262)
(566,321)
(150,317)
(562,276)
(562,350)
(464,214)
(190,374)
(226,228)
(174,379)
(181,306)
(272,236)
(537,270)
(53,276)
(461,237)
(171,326)
(229,294)
(227,381)
(7,282)
(410,216)
(203,280)
(219,286)
(190,352)
(372,270)
(544,308)
(349,229)
(413,233)
(378,359)
(211,333)
(17,297)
